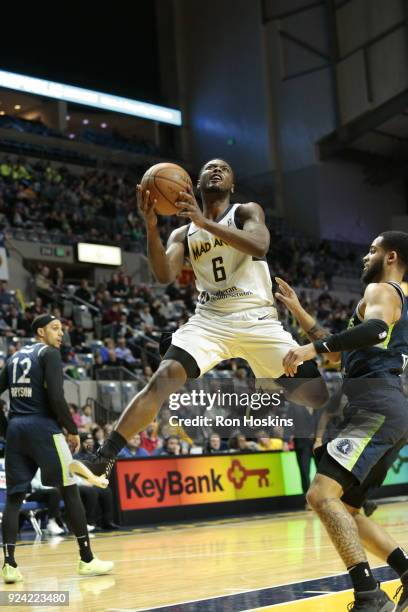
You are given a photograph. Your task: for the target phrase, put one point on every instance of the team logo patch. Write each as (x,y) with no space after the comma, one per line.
(344,446)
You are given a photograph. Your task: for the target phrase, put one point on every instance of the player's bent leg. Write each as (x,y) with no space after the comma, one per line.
(89,565)
(143,408)
(9,528)
(324,496)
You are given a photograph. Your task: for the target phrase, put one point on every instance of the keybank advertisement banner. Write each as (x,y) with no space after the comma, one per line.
(205,479)
(156,483)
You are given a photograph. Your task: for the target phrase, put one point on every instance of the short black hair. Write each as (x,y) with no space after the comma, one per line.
(397,241)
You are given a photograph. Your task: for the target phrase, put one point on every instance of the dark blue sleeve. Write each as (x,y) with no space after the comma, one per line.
(51,359)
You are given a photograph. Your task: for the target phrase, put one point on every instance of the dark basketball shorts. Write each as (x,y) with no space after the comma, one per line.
(36,442)
(374,430)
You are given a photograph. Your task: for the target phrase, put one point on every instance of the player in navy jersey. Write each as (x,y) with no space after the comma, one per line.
(38,412)
(374,354)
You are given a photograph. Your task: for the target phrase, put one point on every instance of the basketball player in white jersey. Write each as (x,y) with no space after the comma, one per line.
(235,316)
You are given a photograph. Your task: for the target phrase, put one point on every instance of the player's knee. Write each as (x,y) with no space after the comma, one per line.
(169,377)
(314,496)
(321,490)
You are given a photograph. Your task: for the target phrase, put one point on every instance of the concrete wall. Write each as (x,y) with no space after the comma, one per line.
(351,209)
(386,60)
(222,68)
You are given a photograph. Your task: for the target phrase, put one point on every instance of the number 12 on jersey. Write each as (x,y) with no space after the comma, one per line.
(26,365)
(218,269)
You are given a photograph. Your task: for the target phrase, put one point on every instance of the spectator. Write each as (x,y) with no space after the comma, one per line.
(166,430)
(15,321)
(99,437)
(146,316)
(58,278)
(239,444)
(39,307)
(98,364)
(133,448)
(42,279)
(150,441)
(87,417)
(215,444)
(83,291)
(171,447)
(78,338)
(76,417)
(124,354)
(267,443)
(6,298)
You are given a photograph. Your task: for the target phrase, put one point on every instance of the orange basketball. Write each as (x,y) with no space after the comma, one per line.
(165,181)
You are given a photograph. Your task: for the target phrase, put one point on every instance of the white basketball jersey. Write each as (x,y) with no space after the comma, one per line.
(227,279)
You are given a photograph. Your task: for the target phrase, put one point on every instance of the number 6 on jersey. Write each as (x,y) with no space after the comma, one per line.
(218,269)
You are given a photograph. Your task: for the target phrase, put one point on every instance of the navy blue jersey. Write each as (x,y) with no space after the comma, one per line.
(25,373)
(387,359)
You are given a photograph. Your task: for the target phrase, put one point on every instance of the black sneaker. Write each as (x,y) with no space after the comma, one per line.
(369,507)
(371,601)
(402,591)
(96,472)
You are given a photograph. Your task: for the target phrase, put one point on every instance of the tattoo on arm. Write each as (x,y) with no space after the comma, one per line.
(317,332)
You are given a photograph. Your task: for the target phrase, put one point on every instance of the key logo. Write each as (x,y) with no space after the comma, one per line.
(237,474)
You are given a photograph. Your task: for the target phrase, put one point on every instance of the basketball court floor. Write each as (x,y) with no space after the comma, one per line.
(271,562)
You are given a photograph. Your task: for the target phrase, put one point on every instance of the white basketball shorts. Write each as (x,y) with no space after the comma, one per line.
(261,341)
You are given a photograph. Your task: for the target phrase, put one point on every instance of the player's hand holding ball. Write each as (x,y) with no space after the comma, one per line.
(146,206)
(188,207)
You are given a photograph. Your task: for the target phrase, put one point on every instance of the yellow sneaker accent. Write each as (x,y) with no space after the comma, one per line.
(11,574)
(96,567)
(79,469)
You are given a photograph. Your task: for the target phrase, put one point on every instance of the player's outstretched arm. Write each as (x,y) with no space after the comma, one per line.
(313,330)
(382,308)
(254,237)
(165,263)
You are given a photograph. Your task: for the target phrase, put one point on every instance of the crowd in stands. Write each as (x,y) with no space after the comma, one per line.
(39,201)
(44,202)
